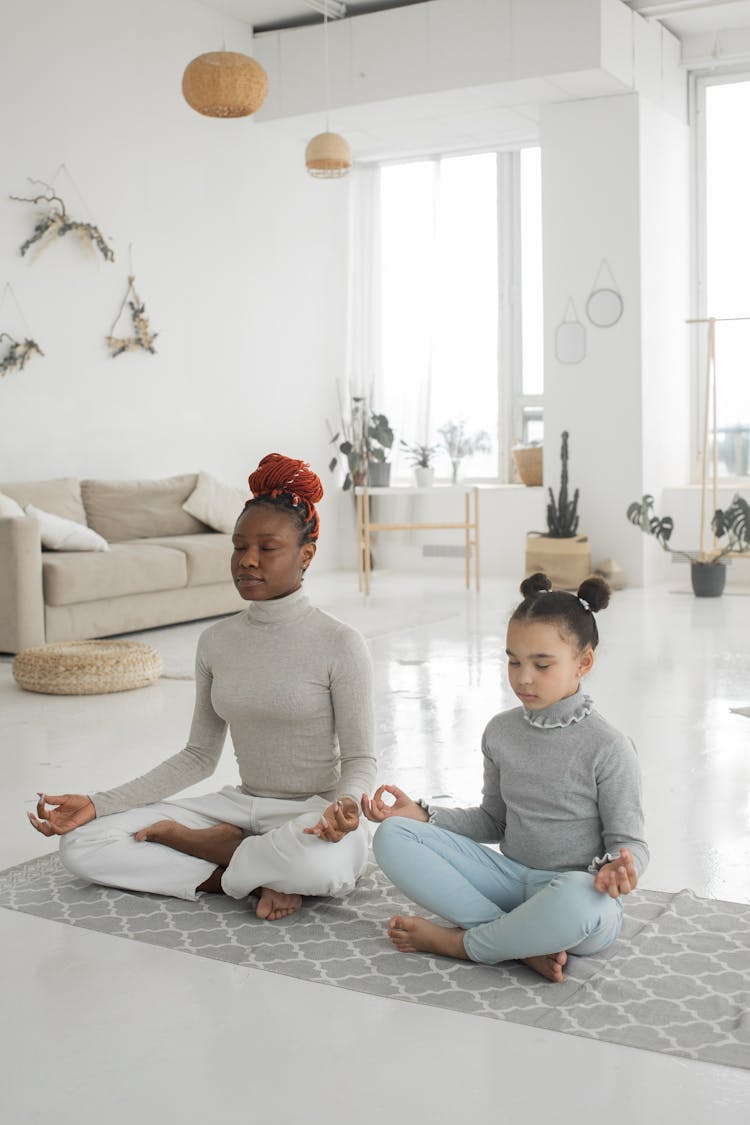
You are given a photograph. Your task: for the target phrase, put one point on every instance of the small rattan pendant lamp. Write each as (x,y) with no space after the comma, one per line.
(327,156)
(224,84)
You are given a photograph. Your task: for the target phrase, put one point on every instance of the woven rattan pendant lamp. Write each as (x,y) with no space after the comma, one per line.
(224,84)
(327,156)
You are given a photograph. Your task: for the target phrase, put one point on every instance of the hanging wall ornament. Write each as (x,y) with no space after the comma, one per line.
(54,221)
(15,353)
(570,337)
(142,336)
(604,306)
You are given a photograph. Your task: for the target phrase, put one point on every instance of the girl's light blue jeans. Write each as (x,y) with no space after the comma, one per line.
(509,911)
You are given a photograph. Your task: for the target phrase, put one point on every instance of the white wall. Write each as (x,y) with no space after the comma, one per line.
(615,187)
(590,206)
(238,254)
(665,271)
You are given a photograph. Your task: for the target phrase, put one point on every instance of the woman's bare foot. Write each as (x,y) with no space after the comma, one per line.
(276,904)
(216,844)
(417,935)
(549,965)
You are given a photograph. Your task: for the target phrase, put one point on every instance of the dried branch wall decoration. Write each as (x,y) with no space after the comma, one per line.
(17,353)
(143,336)
(55,221)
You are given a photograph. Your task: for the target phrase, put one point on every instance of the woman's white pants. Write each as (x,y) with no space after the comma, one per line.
(275,852)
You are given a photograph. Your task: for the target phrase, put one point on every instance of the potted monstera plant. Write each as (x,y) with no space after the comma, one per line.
(560,552)
(708,570)
(365,440)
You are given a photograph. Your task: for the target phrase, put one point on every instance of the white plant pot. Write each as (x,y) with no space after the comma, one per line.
(424,476)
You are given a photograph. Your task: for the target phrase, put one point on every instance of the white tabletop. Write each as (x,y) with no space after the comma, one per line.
(412,490)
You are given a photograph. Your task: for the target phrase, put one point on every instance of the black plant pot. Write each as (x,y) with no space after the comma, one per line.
(708,579)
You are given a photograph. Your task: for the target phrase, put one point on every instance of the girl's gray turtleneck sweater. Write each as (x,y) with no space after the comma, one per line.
(561,788)
(294,687)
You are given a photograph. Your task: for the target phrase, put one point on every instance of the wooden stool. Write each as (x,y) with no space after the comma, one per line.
(86,667)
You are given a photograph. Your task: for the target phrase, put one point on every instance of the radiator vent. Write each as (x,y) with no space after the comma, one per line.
(443,551)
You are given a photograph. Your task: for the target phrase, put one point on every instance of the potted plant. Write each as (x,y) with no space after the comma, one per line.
(367,442)
(459,444)
(421,458)
(560,552)
(707,568)
(379,445)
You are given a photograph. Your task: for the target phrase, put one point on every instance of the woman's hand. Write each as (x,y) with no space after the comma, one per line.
(70,811)
(376,810)
(338,819)
(619,877)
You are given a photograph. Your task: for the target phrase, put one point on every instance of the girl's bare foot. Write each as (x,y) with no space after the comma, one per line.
(549,965)
(276,904)
(417,935)
(216,844)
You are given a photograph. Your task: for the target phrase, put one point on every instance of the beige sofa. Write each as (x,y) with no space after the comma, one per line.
(163,565)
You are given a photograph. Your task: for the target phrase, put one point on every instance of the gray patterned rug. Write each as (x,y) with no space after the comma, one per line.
(677,981)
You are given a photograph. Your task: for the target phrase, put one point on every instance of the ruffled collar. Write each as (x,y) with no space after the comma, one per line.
(561,714)
(278,611)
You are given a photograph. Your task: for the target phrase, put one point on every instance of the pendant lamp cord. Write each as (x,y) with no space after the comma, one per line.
(325,55)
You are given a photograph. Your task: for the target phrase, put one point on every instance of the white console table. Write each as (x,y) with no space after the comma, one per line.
(469,524)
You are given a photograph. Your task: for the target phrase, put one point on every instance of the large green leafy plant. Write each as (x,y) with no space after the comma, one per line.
(367,437)
(732,522)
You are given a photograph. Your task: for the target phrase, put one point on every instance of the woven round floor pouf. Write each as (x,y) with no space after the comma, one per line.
(87,667)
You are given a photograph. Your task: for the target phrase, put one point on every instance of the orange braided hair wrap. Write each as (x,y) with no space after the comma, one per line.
(279,476)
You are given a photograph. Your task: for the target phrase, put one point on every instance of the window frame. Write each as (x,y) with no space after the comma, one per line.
(698,84)
(512,402)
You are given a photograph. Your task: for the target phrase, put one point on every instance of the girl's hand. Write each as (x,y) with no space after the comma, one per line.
(70,811)
(618,877)
(339,818)
(376,810)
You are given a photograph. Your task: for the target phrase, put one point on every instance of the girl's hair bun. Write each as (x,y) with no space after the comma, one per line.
(595,591)
(277,474)
(535,584)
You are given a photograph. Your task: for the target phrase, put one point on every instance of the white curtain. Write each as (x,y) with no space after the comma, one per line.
(364,363)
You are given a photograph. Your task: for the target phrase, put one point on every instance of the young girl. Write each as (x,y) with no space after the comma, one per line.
(561,796)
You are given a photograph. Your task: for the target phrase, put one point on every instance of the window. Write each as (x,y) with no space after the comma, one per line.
(461,300)
(724,288)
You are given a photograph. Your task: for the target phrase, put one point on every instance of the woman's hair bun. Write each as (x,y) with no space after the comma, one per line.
(535,584)
(595,591)
(276,474)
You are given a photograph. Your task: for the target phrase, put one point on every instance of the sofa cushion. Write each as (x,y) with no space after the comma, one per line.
(58,534)
(207,556)
(70,577)
(217,503)
(9,509)
(61,497)
(139,509)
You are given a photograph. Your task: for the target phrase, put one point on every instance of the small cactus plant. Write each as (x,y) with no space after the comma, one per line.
(562,514)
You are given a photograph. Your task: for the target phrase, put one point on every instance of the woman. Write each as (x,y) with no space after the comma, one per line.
(293,685)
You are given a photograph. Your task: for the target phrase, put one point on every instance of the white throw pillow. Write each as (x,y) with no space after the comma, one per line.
(59,534)
(216,503)
(9,507)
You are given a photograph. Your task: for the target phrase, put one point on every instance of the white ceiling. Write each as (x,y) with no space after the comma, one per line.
(265,15)
(682,17)
(695,17)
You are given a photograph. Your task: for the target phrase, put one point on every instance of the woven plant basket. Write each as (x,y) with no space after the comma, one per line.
(87,667)
(528,461)
(224,84)
(566,562)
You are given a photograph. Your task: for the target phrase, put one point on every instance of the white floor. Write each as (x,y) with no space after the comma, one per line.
(97,1027)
